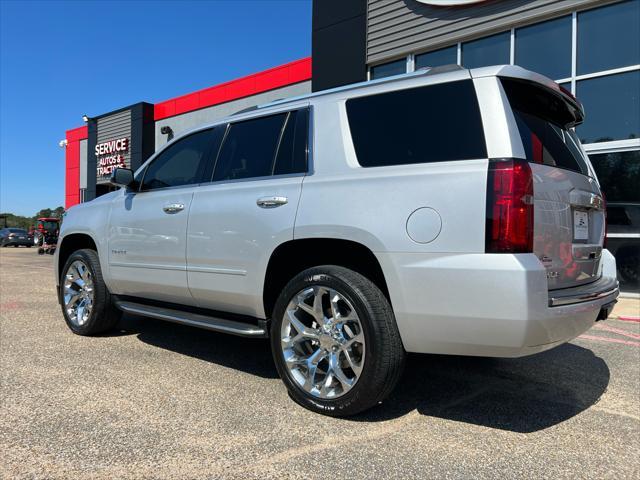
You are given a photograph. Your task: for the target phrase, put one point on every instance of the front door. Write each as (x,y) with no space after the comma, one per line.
(148,227)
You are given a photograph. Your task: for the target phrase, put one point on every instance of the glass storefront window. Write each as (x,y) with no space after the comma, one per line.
(444,56)
(389,69)
(609,37)
(619,176)
(493,50)
(612,107)
(545,48)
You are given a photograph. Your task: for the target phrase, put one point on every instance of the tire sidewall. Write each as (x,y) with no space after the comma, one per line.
(350,402)
(98,292)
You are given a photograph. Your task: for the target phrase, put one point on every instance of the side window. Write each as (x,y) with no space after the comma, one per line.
(180,164)
(292,153)
(434,123)
(249,148)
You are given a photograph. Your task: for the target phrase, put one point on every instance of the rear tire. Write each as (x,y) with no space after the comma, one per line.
(337,367)
(87,305)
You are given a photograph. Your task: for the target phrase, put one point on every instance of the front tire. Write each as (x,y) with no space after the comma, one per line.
(87,305)
(335,341)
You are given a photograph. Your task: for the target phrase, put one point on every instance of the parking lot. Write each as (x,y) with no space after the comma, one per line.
(158,400)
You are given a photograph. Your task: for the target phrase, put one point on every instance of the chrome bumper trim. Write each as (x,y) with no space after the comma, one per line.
(603,288)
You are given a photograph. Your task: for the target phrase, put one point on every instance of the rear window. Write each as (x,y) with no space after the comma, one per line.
(17,230)
(541,119)
(437,123)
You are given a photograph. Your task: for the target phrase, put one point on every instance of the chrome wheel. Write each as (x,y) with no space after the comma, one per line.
(322,342)
(78,293)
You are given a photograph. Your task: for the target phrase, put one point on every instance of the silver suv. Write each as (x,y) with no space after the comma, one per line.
(446,211)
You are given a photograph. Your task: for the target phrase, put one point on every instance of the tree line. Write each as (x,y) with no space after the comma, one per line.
(18,221)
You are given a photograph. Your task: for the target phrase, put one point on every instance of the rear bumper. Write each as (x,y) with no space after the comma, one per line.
(24,243)
(493,305)
(605,287)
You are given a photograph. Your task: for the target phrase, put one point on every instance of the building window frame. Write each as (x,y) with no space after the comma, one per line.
(603,147)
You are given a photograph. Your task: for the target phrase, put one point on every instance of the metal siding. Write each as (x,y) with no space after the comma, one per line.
(187,121)
(396,28)
(113,127)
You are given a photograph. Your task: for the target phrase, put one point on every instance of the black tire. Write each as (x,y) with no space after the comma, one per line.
(104,315)
(385,355)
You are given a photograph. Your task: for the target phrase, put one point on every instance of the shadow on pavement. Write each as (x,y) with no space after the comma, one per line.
(520,395)
(246,354)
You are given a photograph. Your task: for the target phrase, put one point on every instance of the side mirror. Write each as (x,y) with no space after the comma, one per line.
(122,177)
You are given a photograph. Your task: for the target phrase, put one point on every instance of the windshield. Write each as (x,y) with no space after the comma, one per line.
(49,225)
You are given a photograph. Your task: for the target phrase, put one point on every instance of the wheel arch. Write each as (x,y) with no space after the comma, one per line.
(294,256)
(71,243)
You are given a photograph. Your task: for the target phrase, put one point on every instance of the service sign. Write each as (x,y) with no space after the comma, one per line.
(110,155)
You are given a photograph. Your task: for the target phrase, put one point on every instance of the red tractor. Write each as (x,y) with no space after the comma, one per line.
(46,231)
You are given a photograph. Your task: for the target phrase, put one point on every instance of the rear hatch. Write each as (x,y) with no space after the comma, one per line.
(569,212)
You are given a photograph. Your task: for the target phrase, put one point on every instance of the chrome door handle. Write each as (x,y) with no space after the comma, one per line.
(173,207)
(271,202)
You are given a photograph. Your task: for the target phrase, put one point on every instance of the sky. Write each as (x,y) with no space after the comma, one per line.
(62,59)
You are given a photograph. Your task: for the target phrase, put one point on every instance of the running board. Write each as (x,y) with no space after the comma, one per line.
(193,319)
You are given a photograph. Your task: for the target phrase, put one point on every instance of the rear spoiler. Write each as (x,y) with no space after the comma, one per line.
(575,110)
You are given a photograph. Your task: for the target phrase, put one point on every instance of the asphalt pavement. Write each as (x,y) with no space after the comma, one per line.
(158,400)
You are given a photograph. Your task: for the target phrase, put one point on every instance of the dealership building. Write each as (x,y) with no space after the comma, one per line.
(590,47)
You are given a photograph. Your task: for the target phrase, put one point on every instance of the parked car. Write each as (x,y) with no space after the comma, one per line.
(446,211)
(14,237)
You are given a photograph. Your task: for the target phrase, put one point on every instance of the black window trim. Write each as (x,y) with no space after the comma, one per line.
(308,108)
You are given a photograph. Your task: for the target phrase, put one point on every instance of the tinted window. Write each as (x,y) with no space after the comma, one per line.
(541,117)
(546,48)
(612,106)
(17,230)
(180,164)
(444,56)
(388,69)
(493,50)
(619,175)
(609,37)
(292,152)
(550,144)
(249,148)
(427,124)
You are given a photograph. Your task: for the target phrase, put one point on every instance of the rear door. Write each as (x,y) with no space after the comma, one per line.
(148,228)
(248,209)
(569,215)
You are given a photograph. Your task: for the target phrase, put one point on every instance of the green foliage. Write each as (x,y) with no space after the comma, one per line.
(18,221)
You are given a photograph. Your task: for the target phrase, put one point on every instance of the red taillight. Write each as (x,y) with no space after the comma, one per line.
(509,207)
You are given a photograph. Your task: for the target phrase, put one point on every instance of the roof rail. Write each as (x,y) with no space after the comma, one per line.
(353,86)
(451,67)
